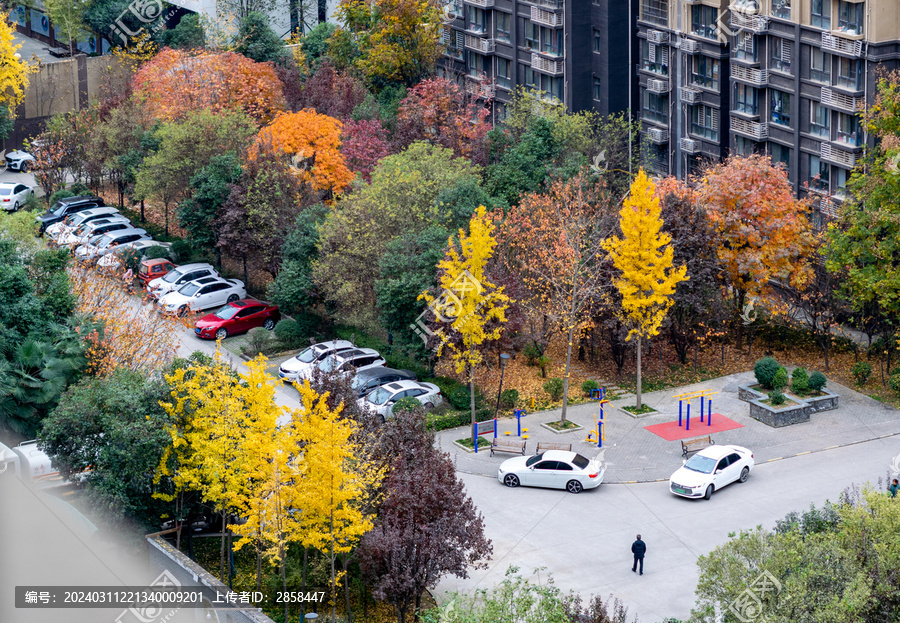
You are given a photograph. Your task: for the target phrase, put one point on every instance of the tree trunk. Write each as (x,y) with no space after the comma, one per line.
(418,605)
(284,575)
(143,220)
(167,218)
(472,400)
(246,278)
(562,417)
(333,583)
(639,373)
(222,549)
(258,565)
(345,564)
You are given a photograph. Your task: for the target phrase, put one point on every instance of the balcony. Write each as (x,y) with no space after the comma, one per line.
(839,45)
(553,5)
(749,75)
(839,101)
(752,23)
(829,207)
(657,36)
(658,135)
(485,46)
(658,86)
(836,156)
(690,46)
(546,18)
(546,65)
(753,129)
(690,146)
(484,4)
(480,88)
(690,96)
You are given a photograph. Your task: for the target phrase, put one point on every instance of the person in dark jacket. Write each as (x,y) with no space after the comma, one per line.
(893,488)
(638,548)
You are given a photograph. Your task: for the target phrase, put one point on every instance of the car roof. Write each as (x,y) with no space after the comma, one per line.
(396,386)
(248,303)
(157,260)
(379,371)
(332,344)
(559,455)
(356,352)
(717,452)
(79,198)
(184,268)
(125,232)
(202,281)
(108,220)
(11,184)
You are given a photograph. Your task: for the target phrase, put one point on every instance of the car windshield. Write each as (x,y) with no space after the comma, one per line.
(702,464)
(359,382)
(104,241)
(379,396)
(227,312)
(172,277)
(534,459)
(308,356)
(189,289)
(580,462)
(58,208)
(328,364)
(95,239)
(71,220)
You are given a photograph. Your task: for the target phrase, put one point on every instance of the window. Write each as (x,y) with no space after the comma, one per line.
(746,99)
(503,28)
(819,66)
(745,47)
(656,158)
(818,174)
(656,107)
(502,76)
(598,89)
(850,17)
(551,41)
(548,86)
(848,131)
(840,182)
(477,65)
(744,146)
(782,50)
(477,20)
(780,155)
(703,21)
(819,118)
(780,111)
(455,42)
(598,41)
(781,8)
(655,58)
(532,35)
(705,122)
(705,72)
(820,14)
(655,11)
(848,74)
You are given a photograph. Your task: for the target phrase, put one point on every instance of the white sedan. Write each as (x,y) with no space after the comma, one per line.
(113,260)
(711,469)
(300,366)
(201,294)
(554,469)
(381,400)
(14,195)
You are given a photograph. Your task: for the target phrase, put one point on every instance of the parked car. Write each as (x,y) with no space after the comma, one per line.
(366,380)
(18,160)
(108,241)
(201,294)
(291,370)
(64,207)
(382,399)
(113,260)
(148,270)
(176,278)
(350,360)
(711,469)
(553,469)
(88,230)
(238,317)
(14,195)
(73,221)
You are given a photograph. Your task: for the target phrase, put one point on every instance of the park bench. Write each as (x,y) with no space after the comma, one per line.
(513,446)
(549,445)
(693,445)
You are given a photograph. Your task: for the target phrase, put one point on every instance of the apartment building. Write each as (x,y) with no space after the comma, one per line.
(574,52)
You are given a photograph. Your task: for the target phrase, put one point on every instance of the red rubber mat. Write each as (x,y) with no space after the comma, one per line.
(671,432)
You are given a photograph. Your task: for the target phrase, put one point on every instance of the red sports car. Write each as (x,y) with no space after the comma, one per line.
(238,317)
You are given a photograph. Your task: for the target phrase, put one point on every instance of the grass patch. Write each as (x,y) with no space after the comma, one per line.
(483,444)
(644,409)
(787,403)
(567,425)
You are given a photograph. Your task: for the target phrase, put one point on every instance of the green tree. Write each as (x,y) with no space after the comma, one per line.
(256,40)
(188,34)
(293,289)
(68,19)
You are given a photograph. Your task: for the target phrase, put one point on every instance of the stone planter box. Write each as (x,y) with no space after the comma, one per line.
(786,415)
(575,429)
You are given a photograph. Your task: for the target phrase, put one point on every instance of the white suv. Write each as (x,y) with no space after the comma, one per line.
(174,279)
(299,366)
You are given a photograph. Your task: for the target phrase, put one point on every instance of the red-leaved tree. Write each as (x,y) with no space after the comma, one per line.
(363,144)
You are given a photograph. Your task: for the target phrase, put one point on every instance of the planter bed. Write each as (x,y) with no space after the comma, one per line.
(786,414)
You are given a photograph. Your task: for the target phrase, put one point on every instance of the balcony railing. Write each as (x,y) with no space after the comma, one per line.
(752,23)
(690,146)
(657,36)
(829,207)
(480,88)
(658,86)
(546,18)
(658,135)
(485,46)
(750,75)
(842,158)
(690,46)
(839,101)
(484,4)
(753,129)
(546,65)
(690,96)
(553,5)
(839,45)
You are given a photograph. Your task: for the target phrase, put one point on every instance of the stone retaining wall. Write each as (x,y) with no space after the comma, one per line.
(785,416)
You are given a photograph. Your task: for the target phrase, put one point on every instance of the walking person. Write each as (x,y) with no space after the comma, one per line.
(638,548)
(893,488)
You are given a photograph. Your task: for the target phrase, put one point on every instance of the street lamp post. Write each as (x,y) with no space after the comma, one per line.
(503,359)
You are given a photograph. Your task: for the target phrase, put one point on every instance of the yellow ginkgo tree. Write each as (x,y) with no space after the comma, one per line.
(13,70)
(644,258)
(474,307)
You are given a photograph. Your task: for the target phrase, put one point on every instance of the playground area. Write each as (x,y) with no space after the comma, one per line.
(649,447)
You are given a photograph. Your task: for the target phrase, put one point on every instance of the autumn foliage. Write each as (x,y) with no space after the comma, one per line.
(178,81)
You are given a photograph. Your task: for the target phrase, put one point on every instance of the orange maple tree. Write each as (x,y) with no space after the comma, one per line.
(178,81)
(313,141)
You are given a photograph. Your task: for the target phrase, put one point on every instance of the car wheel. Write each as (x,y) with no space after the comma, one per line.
(709,492)
(233,298)
(511,480)
(745,474)
(24,167)
(573,486)
(269,324)
(429,405)
(182,311)
(379,418)
(221,334)
(15,207)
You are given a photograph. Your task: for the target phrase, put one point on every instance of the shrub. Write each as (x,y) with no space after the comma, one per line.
(861,371)
(777,397)
(800,381)
(554,387)
(817,381)
(765,370)
(543,361)
(894,383)
(780,379)
(290,334)
(509,398)
(589,385)
(258,341)
(60,194)
(407,403)
(438,421)
(531,352)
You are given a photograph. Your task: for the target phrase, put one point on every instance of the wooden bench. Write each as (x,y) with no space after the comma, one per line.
(549,445)
(693,445)
(513,446)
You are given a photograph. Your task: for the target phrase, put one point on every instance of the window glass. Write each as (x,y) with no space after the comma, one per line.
(705,122)
(598,89)
(780,110)
(656,107)
(780,154)
(532,35)
(580,461)
(746,99)
(503,28)
(655,58)
(546,465)
(820,14)
(228,312)
(704,21)
(503,73)
(848,73)
(818,174)
(598,41)
(745,47)
(655,12)
(477,20)
(819,66)
(705,72)
(849,132)
(782,8)
(850,17)
(782,50)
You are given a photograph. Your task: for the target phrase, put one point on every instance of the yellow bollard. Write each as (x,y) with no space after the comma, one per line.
(532,403)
